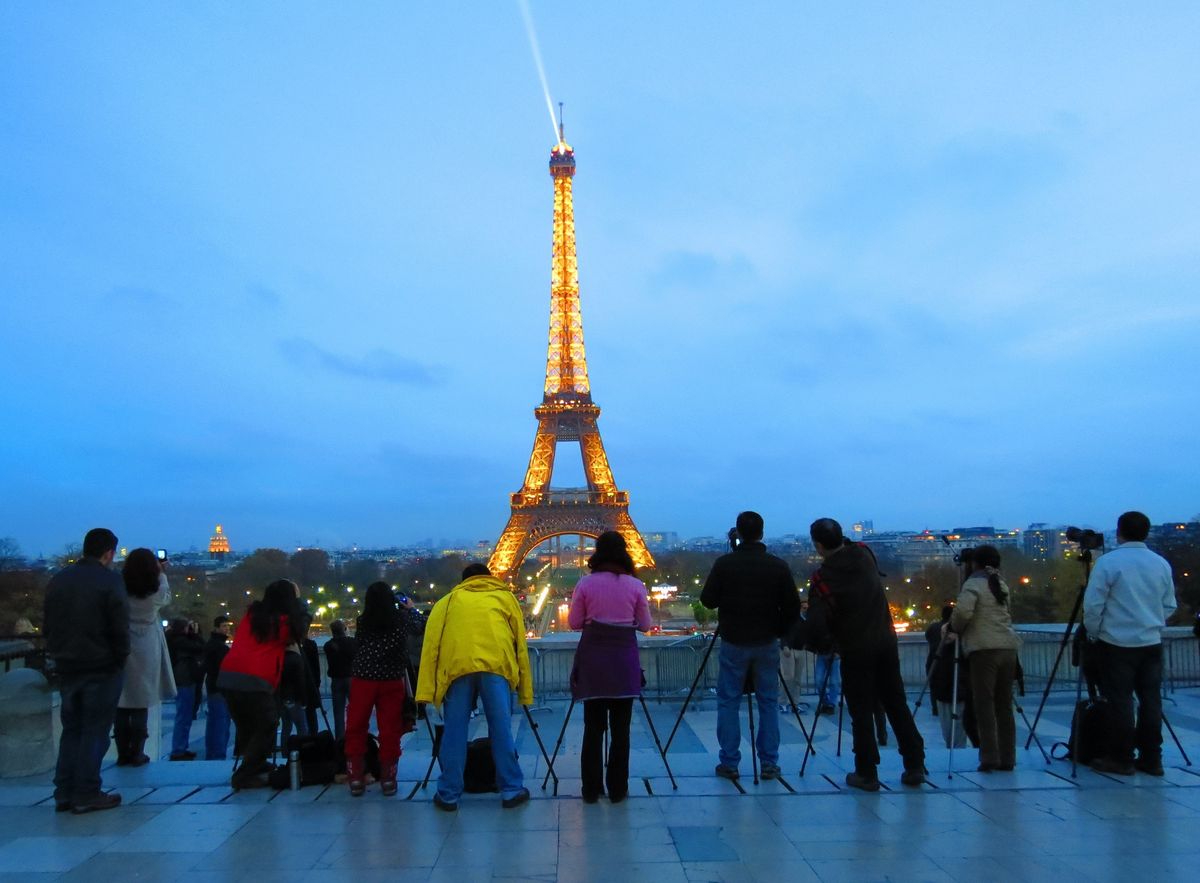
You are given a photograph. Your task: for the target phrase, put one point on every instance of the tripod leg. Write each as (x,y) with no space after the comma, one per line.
(657,744)
(534,727)
(953,708)
(753,747)
(1087,562)
(691,690)
(808,748)
(1036,740)
(841,717)
(792,704)
(1178,744)
(557,745)
(1075,719)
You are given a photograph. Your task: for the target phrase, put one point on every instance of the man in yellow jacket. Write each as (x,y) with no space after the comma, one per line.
(475,647)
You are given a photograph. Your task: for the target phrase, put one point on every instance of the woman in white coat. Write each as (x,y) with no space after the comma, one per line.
(148,676)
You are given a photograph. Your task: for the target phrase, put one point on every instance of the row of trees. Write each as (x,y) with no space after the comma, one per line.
(1043,591)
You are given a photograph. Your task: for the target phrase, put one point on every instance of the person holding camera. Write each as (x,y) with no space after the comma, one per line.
(339,655)
(609,605)
(1128,598)
(756,602)
(850,609)
(187,654)
(981,620)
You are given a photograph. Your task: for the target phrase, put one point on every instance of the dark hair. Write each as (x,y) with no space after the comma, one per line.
(337,628)
(99,541)
(1133,527)
(475,569)
(141,573)
(947,612)
(278,604)
(220,620)
(179,625)
(989,556)
(749,526)
(379,610)
(611,554)
(827,532)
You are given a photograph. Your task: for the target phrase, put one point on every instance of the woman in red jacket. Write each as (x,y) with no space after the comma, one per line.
(250,676)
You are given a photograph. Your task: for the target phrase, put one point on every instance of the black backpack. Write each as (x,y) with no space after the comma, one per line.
(1090,727)
(318,761)
(479,772)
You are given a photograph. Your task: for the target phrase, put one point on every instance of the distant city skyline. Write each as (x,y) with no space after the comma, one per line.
(930,265)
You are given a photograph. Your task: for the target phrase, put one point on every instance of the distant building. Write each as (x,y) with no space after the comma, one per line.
(218,545)
(863,529)
(1040,542)
(661,540)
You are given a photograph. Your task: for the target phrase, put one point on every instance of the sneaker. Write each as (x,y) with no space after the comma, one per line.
(1149,766)
(726,772)
(100,802)
(517,799)
(1108,765)
(444,805)
(913,778)
(769,771)
(861,782)
(826,708)
(183,755)
(62,806)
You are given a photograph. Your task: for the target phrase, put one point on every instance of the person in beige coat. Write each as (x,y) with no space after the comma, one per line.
(148,676)
(982,620)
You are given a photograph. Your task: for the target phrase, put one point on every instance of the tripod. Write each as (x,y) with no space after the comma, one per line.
(437,747)
(808,749)
(662,752)
(692,689)
(1085,558)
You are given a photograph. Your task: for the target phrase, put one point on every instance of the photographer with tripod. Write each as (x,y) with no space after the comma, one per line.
(756,602)
(849,606)
(1129,596)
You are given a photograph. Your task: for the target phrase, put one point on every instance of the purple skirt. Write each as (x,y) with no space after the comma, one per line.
(607,665)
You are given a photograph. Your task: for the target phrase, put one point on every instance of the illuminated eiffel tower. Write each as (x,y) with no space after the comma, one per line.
(567,413)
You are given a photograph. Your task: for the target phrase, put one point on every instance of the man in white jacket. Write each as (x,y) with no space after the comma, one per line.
(1128,599)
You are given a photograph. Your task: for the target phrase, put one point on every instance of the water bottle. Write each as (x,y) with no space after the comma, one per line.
(294,770)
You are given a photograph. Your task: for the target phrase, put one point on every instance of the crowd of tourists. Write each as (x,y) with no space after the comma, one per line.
(114,663)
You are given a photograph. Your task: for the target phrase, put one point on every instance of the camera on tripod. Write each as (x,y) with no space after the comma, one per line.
(734,537)
(1087,539)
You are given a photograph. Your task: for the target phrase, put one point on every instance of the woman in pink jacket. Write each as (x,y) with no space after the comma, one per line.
(610,606)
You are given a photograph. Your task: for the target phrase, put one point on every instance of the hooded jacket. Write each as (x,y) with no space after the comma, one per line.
(478,627)
(849,609)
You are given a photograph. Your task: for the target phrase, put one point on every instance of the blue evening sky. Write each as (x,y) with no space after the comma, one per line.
(286,265)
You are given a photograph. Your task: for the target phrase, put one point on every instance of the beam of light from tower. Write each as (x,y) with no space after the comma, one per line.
(537,60)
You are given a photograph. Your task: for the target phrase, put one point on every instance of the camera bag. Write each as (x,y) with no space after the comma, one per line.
(1092,719)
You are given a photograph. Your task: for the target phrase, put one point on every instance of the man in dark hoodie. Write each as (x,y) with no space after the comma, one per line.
(849,606)
(87,642)
(216,727)
(756,602)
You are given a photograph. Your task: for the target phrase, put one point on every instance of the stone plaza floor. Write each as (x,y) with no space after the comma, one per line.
(181,821)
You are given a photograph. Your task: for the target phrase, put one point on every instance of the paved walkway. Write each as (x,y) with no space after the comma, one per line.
(182,822)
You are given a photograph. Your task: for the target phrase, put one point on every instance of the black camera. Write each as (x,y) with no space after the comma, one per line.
(1087,539)
(734,537)
(964,556)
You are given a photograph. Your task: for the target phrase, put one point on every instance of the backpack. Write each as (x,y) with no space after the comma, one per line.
(1090,725)
(318,761)
(479,772)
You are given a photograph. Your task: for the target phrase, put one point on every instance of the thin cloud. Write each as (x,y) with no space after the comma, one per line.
(378,364)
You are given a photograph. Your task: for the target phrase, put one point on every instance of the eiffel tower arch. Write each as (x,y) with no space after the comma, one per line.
(566,414)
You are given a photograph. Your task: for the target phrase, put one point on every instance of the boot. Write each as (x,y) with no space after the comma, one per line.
(121,737)
(387,781)
(137,749)
(355,772)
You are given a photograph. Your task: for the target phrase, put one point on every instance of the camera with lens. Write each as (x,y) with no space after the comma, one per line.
(1087,539)
(734,537)
(964,556)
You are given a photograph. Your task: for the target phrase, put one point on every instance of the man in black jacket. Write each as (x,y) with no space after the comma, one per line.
(87,642)
(339,654)
(756,602)
(850,608)
(216,726)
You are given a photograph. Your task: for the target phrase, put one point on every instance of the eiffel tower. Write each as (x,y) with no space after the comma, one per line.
(566,413)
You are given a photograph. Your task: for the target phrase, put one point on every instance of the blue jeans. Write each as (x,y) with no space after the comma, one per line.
(89,705)
(496,696)
(828,693)
(736,661)
(185,713)
(339,692)
(216,728)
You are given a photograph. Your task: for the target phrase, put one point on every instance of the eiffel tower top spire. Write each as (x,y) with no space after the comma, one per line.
(566,362)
